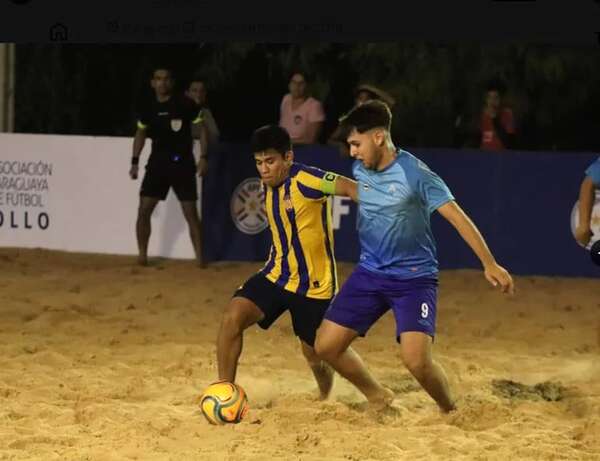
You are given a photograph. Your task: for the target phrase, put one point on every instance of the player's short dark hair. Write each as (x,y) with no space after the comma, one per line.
(371,114)
(271,137)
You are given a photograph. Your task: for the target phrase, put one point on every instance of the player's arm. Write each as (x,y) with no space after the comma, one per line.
(212,129)
(334,184)
(494,273)
(139,140)
(587,192)
(200,135)
(346,187)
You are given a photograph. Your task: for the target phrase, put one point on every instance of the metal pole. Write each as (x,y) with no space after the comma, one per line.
(7,87)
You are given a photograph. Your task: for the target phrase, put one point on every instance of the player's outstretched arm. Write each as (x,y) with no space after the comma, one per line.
(494,273)
(346,187)
(587,192)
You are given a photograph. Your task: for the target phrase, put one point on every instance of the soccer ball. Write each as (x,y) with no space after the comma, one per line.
(224,402)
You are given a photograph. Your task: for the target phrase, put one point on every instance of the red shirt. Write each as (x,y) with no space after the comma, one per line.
(489,137)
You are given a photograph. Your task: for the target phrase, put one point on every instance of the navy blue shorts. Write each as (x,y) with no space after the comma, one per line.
(366,296)
(272,300)
(160,178)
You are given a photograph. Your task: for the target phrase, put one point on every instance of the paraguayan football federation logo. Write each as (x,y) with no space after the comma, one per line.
(247,207)
(595,225)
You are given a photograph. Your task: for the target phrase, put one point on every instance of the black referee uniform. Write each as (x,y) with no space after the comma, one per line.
(171,162)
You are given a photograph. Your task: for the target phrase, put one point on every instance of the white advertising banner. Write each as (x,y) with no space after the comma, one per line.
(74,193)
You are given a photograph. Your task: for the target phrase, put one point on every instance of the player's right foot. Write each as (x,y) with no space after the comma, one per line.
(448,409)
(142,260)
(383,407)
(382,399)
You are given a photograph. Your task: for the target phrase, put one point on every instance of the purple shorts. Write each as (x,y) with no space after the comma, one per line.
(366,296)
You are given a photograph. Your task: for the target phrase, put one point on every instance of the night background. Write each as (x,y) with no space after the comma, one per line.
(554,91)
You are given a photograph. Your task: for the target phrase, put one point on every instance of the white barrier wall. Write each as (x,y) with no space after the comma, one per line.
(74,193)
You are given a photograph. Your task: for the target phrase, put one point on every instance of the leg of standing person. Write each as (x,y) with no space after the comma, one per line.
(414,303)
(417,357)
(144,227)
(190,212)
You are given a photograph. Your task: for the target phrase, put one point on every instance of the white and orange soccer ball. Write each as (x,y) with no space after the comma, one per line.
(224,403)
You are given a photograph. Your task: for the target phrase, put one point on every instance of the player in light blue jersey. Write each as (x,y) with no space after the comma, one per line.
(398,265)
(587,195)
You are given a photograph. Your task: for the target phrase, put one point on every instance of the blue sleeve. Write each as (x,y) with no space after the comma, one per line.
(432,189)
(593,172)
(355,167)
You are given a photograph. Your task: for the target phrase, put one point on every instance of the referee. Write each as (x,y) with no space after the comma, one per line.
(174,124)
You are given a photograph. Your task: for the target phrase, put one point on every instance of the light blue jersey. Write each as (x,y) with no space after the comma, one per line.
(393,217)
(593,172)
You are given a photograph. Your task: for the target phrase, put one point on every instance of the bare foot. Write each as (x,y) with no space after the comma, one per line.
(382,399)
(201,264)
(383,409)
(449,409)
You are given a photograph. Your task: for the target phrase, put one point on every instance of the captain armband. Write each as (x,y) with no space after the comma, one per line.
(328,183)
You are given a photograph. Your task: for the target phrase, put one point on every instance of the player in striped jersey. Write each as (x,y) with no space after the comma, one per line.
(300,273)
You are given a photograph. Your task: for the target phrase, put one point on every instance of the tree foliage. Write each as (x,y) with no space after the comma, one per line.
(553,90)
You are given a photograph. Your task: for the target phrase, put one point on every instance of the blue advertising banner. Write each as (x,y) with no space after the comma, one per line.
(522,203)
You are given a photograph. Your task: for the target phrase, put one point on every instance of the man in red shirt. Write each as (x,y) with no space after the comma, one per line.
(497,125)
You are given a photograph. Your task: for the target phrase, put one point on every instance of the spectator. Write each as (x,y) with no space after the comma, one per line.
(363,93)
(366,92)
(587,195)
(301,115)
(496,125)
(198,93)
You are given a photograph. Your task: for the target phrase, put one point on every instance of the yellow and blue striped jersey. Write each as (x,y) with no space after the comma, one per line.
(301,259)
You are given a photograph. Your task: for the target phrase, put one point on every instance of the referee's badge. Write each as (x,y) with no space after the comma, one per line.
(176,124)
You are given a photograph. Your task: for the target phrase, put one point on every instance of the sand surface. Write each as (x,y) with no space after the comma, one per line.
(103,360)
